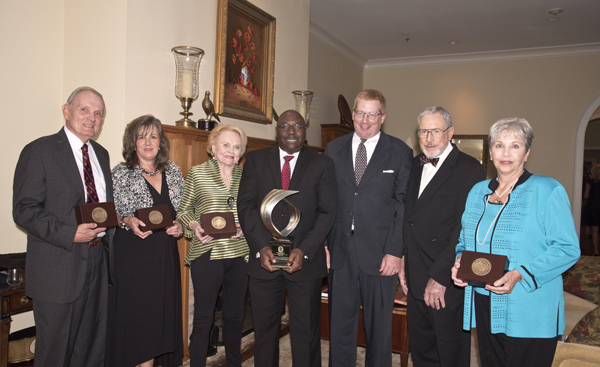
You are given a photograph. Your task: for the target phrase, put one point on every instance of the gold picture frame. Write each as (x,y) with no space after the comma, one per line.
(474,145)
(245,62)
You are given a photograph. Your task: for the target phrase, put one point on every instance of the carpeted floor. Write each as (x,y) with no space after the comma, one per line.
(286,361)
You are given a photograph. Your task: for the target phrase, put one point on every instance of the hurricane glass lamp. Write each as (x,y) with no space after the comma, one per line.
(187,62)
(303,99)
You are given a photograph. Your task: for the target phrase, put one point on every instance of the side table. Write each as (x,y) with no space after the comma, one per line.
(13,301)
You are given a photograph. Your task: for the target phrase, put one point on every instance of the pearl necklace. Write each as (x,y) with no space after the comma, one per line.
(497,215)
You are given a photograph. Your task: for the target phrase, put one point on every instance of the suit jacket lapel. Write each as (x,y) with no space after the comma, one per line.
(438,179)
(415,184)
(275,165)
(301,164)
(68,165)
(346,160)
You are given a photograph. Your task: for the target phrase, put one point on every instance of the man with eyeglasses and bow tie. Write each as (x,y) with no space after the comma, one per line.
(289,166)
(67,268)
(365,244)
(440,180)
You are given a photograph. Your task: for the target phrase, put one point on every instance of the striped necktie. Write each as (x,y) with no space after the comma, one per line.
(88,174)
(360,163)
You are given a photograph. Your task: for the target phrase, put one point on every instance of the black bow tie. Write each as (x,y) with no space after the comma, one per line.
(425,160)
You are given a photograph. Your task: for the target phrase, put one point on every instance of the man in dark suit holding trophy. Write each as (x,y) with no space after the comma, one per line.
(289,165)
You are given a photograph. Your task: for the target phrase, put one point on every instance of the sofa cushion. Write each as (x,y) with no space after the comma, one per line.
(576,355)
(587,330)
(583,279)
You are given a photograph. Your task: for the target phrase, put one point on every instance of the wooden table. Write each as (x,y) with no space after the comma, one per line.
(13,301)
(400,342)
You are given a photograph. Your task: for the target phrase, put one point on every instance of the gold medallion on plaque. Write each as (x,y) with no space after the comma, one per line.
(99,215)
(481,267)
(155,217)
(218,222)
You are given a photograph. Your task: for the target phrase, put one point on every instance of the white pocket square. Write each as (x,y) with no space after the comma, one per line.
(388,171)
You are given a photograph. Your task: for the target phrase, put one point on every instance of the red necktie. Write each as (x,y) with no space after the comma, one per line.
(88,174)
(286,172)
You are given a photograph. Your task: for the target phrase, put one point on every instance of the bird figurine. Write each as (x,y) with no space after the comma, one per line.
(209,108)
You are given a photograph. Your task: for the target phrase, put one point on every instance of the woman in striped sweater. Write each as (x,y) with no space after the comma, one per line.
(212,187)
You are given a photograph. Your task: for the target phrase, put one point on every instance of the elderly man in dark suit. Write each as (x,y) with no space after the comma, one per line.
(365,244)
(289,165)
(440,180)
(66,263)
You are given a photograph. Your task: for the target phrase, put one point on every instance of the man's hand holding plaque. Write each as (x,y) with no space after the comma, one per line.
(282,256)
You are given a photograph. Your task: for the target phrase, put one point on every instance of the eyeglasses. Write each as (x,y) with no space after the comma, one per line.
(370,116)
(436,133)
(296,127)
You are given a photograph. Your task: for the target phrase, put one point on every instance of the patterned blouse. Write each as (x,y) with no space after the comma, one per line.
(204,193)
(131,191)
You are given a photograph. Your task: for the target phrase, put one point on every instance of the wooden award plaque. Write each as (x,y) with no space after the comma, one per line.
(103,214)
(156,218)
(479,269)
(219,225)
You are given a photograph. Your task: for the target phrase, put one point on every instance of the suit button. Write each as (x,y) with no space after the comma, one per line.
(410,224)
(83,258)
(356,194)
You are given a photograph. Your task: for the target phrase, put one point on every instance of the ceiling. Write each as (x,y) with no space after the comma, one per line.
(372,32)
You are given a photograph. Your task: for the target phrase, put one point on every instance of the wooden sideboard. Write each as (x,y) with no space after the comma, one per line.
(188,148)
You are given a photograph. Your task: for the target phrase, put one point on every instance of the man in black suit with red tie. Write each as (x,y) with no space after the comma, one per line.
(66,263)
(440,180)
(372,170)
(289,165)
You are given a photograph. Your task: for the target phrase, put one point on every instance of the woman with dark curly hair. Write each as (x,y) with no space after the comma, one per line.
(144,327)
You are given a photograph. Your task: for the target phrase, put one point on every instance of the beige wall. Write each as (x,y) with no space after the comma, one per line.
(551,93)
(123,49)
(329,74)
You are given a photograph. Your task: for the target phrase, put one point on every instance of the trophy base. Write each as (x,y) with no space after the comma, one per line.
(281,250)
(281,263)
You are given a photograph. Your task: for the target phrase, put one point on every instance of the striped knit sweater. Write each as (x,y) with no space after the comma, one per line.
(205,192)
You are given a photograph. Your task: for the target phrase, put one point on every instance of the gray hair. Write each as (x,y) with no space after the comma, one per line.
(436,109)
(517,125)
(86,89)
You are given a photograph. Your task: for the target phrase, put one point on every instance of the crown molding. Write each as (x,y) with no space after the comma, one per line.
(342,49)
(529,53)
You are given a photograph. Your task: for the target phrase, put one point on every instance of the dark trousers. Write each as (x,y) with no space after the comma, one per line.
(74,334)
(500,350)
(349,287)
(304,306)
(208,276)
(437,338)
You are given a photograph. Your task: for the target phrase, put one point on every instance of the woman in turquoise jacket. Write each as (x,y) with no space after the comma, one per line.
(527,218)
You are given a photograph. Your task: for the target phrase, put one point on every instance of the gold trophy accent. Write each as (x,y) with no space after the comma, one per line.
(155,217)
(281,244)
(99,214)
(481,267)
(218,222)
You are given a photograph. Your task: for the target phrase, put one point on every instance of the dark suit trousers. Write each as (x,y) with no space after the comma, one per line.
(74,334)
(348,288)
(208,276)
(304,306)
(436,336)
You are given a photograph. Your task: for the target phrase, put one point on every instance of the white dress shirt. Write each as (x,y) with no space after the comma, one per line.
(429,170)
(282,154)
(370,145)
(76,145)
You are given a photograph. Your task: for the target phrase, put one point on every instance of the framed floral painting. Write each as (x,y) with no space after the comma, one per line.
(245,62)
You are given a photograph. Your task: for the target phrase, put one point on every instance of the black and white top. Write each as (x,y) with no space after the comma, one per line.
(131,192)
